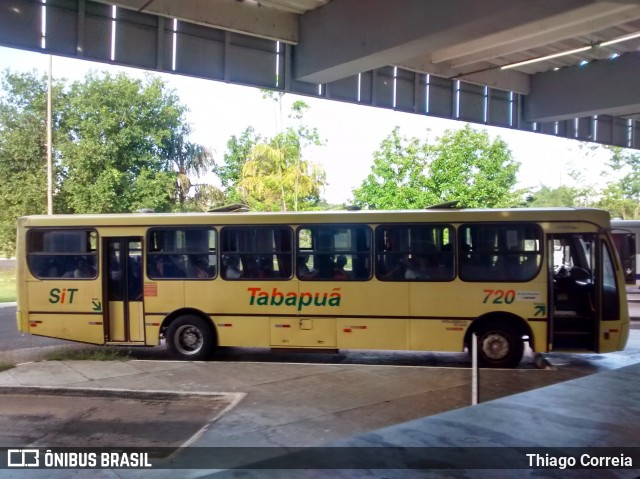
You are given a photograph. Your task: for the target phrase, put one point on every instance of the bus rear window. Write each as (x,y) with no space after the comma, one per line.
(64,253)
(499,252)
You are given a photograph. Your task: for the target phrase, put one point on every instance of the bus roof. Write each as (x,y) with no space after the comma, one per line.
(590,215)
(618,223)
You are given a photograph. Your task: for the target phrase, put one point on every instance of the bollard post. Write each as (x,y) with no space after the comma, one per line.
(474,369)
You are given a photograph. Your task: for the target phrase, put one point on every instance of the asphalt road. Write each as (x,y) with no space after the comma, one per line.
(12,339)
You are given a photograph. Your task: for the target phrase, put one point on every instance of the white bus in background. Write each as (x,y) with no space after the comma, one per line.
(626,236)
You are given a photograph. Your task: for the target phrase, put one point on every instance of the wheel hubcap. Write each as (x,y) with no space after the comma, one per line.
(189,339)
(495,346)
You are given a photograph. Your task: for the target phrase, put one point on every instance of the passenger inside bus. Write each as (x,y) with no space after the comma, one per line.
(82,269)
(417,268)
(231,267)
(264,267)
(200,267)
(304,272)
(338,270)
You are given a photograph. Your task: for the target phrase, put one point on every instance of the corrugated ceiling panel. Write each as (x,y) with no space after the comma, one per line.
(62,26)
(136,39)
(20,25)
(200,51)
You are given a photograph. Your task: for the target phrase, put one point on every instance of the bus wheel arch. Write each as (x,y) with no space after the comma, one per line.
(500,339)
(189,335)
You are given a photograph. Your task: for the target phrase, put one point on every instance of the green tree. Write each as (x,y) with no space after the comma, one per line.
(205,197)
(112,157)
(188,159)
(466,166)
(238,153)
(621,195)
(271,173)
(23,153)
(563,195)
(463,165)
(120,145)
(273,181)
(398,176)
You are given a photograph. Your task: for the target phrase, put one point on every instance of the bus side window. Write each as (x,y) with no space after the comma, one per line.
(181,253)
(257,252)
(500,252)
(340,253)
(415,252)
(62,253)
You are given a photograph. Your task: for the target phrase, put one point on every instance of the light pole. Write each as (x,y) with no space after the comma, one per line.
(49,144)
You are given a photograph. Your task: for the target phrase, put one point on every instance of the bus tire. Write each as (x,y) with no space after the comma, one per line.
(500,345)
(190,338)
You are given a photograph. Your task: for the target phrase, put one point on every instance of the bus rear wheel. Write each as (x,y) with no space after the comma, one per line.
(190,338)
(500,345)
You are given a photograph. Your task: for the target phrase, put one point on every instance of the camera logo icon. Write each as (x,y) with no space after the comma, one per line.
(23,458)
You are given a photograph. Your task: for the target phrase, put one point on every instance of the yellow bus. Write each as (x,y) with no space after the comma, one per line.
(421,280)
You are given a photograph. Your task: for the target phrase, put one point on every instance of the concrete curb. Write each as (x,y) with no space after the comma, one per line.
(233,397)
(38,353)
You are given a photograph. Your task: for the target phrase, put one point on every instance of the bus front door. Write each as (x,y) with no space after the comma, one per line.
(124,312)
(574,298)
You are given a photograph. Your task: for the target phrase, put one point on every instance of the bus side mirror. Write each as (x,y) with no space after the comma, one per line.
(631,244)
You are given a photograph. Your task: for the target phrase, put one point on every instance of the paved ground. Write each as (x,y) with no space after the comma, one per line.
(282,404)
(302,404)
(266,401)
(42,417)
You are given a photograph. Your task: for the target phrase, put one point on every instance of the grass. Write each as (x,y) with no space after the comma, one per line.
(92,354)
(7,285)
(5,366)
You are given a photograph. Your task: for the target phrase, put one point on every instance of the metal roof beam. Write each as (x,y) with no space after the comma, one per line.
(247,17)
(346,37)
(542,32)
(598,88)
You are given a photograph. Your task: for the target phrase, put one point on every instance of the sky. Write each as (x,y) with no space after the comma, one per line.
(351,132)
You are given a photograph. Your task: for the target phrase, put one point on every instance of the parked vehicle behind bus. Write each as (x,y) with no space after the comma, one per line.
(626,237)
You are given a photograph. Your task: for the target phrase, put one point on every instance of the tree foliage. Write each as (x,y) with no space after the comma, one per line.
(112,157)
(238,152)
(398,178)
(563,195)
(271,174)
(273,180)
(120,144)
(619,194)
(23,150)
(189,160)
(463,165)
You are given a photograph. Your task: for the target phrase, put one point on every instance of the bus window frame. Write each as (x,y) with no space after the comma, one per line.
(504,225)
(239,254)
(93,253)
(366,227)
(454,250)
(151,255)
(607,256)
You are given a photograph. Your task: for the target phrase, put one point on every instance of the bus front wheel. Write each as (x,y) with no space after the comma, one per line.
(500,345)
(190,338)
